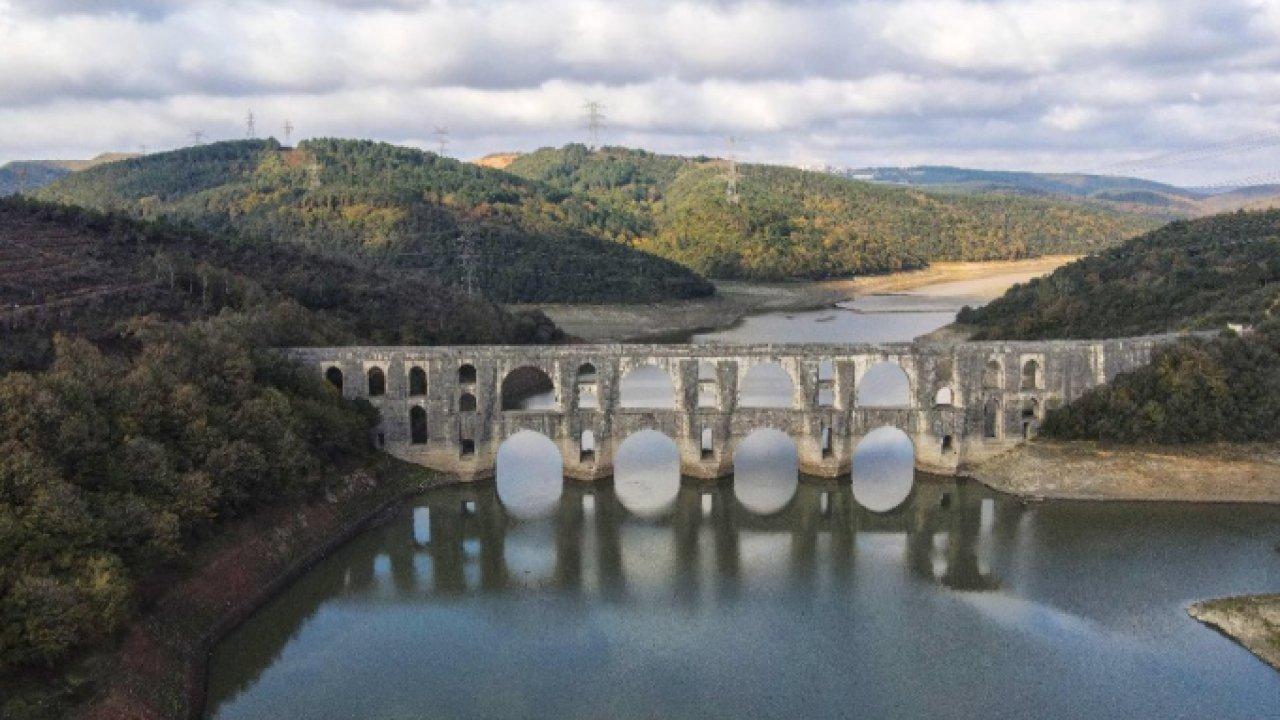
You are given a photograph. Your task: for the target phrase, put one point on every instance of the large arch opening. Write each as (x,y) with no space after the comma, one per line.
(648,386)
(646,473)
(377,382)
(467,403)
(530,475)
(766,385)
(417,381)
(766,471)
(528,388)
(334,376)
(883,469)
(417,425)
(885,385)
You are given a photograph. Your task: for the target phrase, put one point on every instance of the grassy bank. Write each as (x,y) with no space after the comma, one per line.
(156,668)
(1221,472)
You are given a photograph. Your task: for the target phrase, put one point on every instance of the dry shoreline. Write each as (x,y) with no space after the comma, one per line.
(1253,621)
(735,300)
(1218,473)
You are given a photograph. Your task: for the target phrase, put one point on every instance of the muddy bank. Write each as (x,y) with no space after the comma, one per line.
(1253,621)
(735,300)
(1245,473)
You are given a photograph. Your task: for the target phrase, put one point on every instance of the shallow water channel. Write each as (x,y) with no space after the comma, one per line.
(770,595)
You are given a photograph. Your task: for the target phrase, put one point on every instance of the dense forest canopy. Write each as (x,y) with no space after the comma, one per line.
(141,405)
(790,223)
(413,211)
(1189,274)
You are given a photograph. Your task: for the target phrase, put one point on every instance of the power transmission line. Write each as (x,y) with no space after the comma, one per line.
(442,139)
(288,131)
(1255,141)
(197,137)
(731,176)
(595,118)
(250,126)
(469,260)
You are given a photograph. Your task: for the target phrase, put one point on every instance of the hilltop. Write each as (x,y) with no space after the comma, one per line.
(406,210)
(791,223)
(1189,274)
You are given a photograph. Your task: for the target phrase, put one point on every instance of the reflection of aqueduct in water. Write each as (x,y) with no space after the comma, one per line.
(449,408)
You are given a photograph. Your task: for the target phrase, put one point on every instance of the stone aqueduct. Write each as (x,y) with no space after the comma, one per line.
(443,407)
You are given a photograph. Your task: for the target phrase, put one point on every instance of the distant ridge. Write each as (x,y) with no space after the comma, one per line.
(1148,197)
(30,175)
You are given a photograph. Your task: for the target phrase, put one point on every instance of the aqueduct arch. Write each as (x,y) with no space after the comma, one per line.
(959,407)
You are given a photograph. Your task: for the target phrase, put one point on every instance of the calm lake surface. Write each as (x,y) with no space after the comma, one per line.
(768,596)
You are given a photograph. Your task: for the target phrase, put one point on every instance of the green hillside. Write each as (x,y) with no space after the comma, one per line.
(87,273)
(1189,274)
(791,223)
(400,207)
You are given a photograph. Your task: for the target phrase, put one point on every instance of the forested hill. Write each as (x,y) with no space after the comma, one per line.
(401,207)
(1189,274)
(791,223)
(142,407)
(87,273)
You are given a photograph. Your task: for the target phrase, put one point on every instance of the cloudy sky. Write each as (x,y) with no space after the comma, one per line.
(1037,84)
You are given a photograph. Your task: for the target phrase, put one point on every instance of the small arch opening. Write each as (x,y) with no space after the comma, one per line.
(1031,378)
(417,425)
(587,387)
(992,374)
(708,443)
(377,382)
(528,388)
(991,419)
(467,374)
(417,381)
(824,440)
(587,447)
(945,397)
(885,385)
(334,376)
(708,385)
(948,445)
(648,386)
(467,403)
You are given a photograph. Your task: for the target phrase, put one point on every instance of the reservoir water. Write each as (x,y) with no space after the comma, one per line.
(767,596)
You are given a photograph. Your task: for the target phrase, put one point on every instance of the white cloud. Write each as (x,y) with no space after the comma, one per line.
(1045,83)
